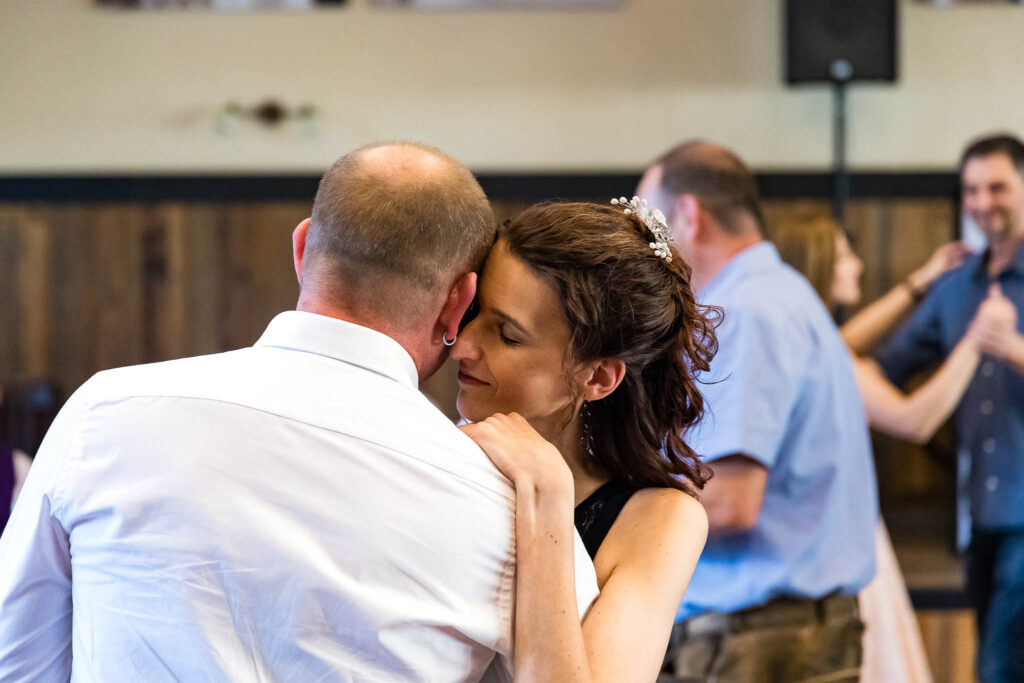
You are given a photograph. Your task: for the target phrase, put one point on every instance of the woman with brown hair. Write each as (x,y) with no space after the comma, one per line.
(579,374)
(817,247)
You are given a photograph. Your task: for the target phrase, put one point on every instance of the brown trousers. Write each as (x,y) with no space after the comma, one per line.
(784,641)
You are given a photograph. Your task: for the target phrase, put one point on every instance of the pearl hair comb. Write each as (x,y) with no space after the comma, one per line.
(655,221)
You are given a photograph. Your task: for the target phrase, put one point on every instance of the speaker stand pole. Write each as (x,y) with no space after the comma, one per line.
(840,174)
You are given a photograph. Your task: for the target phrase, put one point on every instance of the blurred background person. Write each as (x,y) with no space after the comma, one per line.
(990,415)
(816,246)
(14,466)
(792,506)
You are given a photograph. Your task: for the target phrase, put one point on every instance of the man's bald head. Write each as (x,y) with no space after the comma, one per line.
(394,224)
(719,180)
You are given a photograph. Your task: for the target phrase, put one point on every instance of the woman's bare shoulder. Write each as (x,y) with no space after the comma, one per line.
(664,511)
(655,523)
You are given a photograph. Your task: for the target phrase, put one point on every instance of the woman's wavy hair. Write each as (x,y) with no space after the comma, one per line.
(623,301)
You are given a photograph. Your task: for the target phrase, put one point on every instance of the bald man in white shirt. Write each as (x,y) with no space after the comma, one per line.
(292,511)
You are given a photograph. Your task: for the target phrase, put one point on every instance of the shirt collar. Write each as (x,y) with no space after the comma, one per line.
(1016,264)
(341,340)
(752,258)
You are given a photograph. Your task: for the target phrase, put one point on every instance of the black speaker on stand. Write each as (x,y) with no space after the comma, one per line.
(838,42)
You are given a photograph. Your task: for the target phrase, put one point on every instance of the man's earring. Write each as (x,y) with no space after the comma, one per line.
(444,339)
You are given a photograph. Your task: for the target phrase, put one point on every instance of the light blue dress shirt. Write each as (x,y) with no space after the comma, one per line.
(781,390)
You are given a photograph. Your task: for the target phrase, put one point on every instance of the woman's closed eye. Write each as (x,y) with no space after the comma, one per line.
(507,340)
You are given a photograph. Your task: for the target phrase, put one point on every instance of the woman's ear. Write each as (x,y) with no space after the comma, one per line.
(605,375)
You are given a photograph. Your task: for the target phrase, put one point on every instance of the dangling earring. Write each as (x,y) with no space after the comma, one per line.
(586,436)
(444,339)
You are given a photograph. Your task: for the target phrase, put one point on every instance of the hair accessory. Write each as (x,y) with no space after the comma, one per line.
(655,221)
(444,339)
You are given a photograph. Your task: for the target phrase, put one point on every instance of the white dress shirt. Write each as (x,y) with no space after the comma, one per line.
(293,511)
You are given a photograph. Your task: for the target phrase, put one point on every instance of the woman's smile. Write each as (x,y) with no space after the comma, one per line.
(469,380)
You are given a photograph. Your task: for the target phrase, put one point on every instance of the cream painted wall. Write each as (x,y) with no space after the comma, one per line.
(90,90)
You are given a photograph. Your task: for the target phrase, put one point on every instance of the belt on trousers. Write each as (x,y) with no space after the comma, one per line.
(778,612)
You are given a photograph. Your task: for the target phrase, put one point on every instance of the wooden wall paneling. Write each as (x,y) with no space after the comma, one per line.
(238,330)
(74,333)
(36,296)
(277,287)
(204,278)
(776,211)
(115,232)
(919,226)
(165,240)
(951,643)
(868,222)
(261,276)
(10,293)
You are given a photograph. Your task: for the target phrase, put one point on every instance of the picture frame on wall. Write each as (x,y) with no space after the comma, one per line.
(221,5)
(501,4)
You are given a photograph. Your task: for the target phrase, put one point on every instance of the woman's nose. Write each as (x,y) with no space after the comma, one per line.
(465,347)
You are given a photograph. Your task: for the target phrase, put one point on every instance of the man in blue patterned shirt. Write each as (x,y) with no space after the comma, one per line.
(990,418)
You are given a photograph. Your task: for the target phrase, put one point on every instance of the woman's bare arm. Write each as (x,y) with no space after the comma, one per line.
(651,552)
(864,329)
(916,416)
(653,548)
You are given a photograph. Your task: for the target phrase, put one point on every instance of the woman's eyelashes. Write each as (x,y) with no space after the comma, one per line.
(505,339)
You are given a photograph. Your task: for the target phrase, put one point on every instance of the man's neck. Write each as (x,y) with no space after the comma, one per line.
(1002,253)
(312,304)
(709,260)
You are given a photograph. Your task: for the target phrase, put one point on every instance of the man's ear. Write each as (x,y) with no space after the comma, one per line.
(605,375)
(460,298)
(690,218)
(299,246)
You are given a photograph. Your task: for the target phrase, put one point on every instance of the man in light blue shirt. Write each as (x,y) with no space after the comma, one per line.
(793,504)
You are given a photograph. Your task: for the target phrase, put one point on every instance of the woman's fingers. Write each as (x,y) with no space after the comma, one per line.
(516,449)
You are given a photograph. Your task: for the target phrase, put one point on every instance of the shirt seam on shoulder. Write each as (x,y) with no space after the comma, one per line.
(75,446)
(318,426)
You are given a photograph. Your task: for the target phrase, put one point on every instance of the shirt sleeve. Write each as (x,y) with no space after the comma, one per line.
(752,387)
(35,565)
(917,344)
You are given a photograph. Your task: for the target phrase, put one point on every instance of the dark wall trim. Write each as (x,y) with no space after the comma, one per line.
(887,185)
(526,187)
(940,598)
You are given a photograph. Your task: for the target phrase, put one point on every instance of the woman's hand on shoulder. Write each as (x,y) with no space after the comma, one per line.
(945,258)
(520,453)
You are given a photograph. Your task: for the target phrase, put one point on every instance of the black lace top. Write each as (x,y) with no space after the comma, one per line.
(596,514)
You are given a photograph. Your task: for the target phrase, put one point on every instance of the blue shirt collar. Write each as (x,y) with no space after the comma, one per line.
(979,268)
(757,256)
